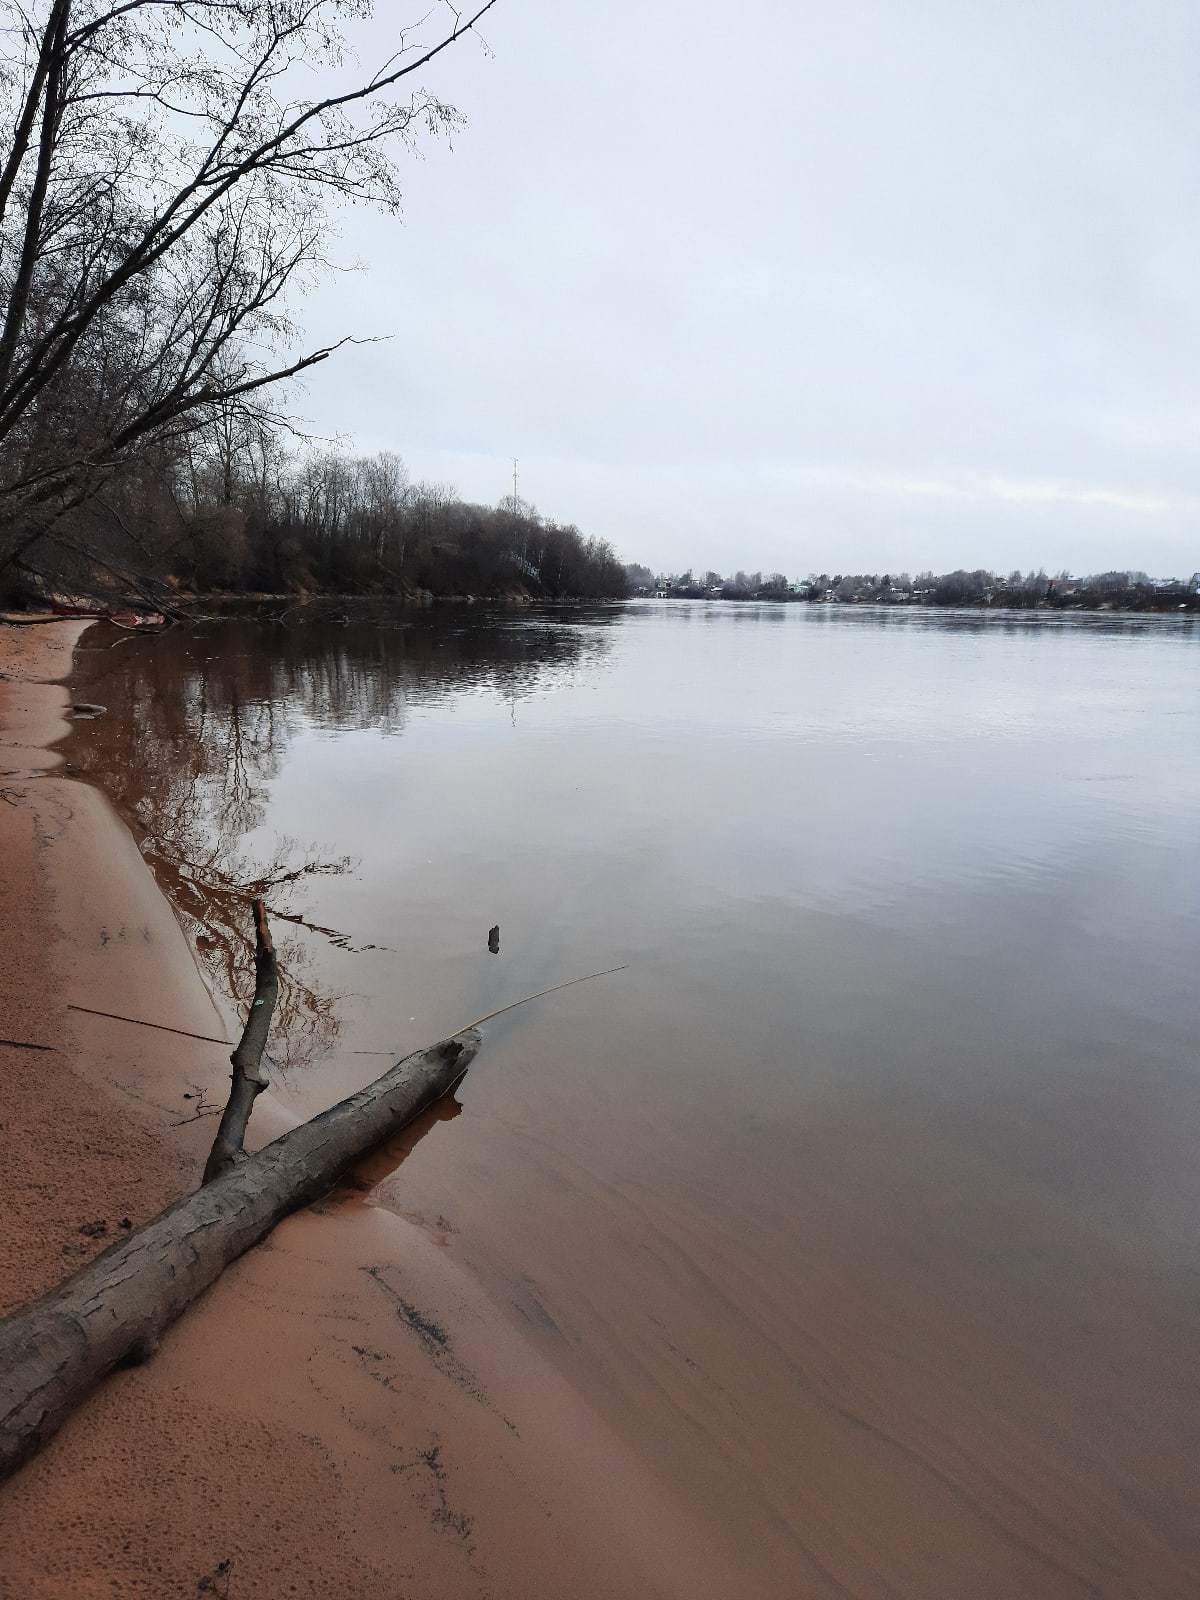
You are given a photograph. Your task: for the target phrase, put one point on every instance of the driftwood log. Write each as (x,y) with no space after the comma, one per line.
(54,1351)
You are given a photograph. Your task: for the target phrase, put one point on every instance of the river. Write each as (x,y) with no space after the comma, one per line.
(863,1200)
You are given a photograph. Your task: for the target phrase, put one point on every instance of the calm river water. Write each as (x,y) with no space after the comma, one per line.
(865,1200)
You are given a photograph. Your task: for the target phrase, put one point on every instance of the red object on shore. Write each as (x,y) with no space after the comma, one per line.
(132,619)
(119,619)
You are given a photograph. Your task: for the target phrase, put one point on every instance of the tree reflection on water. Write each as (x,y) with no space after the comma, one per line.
(198,723)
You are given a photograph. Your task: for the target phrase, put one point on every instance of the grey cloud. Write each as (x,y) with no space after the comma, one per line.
(902,283)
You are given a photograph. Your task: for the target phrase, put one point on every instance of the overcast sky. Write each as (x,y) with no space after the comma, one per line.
(788,284)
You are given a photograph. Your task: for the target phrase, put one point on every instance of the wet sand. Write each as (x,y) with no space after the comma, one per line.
(344,1413)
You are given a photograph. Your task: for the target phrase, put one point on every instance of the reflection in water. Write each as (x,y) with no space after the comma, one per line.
(385,1159)
(202,721)
(863,1199)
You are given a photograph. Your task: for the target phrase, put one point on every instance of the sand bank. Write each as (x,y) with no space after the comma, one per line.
(344,1414)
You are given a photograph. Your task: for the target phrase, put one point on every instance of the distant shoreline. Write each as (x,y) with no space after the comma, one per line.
(983,607)
(978,589)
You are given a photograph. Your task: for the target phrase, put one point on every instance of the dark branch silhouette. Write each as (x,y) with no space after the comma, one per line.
(161,194)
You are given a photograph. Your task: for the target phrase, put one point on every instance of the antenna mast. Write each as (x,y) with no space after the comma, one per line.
(517,513)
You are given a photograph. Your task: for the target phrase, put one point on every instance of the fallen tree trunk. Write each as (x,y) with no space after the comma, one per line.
(54,1351)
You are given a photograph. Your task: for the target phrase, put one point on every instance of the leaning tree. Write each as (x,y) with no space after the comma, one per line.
(161,189)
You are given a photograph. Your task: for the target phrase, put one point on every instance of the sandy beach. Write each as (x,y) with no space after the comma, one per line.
(344,1414)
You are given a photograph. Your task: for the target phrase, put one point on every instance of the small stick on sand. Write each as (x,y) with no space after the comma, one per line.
(139,1022)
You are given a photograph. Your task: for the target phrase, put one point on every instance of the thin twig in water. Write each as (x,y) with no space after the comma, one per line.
(513,1004)
(20,1044)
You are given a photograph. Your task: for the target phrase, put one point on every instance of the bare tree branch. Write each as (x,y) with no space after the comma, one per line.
(160,197)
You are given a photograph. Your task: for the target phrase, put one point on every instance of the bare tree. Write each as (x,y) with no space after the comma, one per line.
(163,186)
